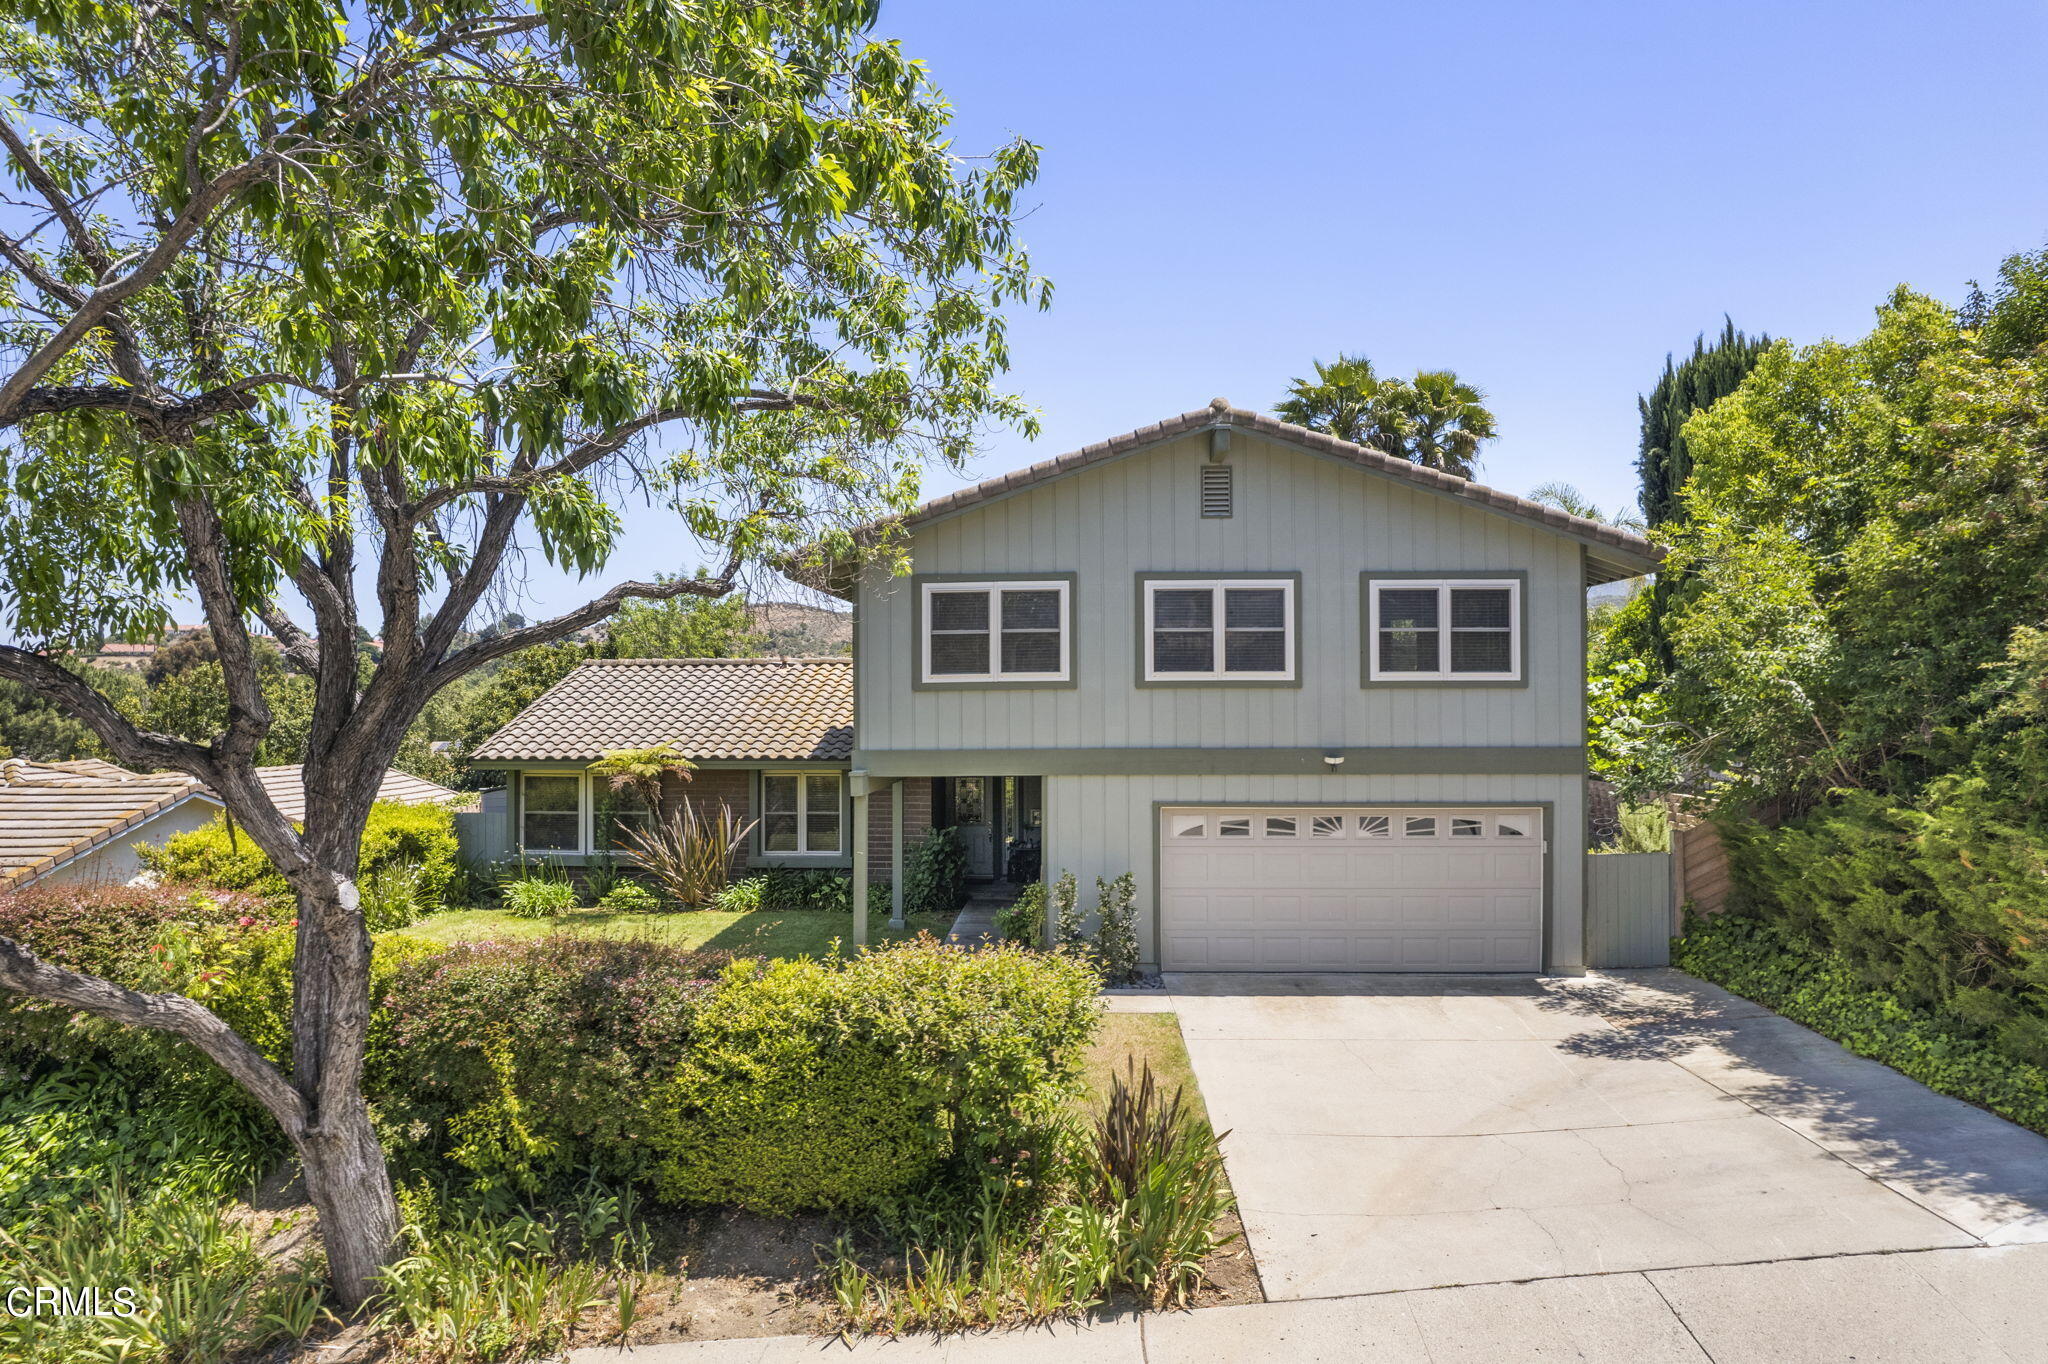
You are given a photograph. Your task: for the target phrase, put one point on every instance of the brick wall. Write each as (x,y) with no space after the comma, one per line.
(709,788)
(917,818)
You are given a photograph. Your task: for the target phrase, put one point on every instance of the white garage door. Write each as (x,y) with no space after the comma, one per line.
(1351,888)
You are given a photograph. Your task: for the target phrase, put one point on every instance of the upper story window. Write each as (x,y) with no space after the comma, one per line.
(1453,630)
(1223,630)
(1014,631)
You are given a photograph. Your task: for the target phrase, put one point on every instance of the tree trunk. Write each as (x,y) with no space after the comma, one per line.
(351,1189)
(338,1149)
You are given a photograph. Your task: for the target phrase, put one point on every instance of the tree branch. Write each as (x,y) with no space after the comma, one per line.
(137,748)
(591,612)
(168,420)
(206,551)
(299,649)
(594,448)
(111,294)
(23,972)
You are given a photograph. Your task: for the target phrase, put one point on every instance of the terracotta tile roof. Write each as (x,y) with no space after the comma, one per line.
(1616,553)
(286,788)
(52,813)
(716,708)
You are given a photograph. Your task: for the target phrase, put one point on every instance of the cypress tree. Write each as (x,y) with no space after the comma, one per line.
(1709,375)
(1664,462)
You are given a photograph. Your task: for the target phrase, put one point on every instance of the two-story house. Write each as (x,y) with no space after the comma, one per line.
(1326,705)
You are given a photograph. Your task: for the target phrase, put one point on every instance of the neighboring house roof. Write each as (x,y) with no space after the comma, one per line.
(1614,553)
(54,813)
(287,790)
(722,709)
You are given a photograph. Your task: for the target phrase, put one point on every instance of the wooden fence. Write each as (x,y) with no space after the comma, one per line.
(1699,869)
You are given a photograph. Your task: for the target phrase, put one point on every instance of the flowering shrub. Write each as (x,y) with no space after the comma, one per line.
(520,1060)
(109,930)
(137,937)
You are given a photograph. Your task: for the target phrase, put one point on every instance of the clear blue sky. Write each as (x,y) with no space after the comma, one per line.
(1543,197)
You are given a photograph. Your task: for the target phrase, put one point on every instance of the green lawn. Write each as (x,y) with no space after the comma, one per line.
(769,933)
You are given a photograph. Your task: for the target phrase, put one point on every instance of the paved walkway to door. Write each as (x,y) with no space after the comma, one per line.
(1395,1133)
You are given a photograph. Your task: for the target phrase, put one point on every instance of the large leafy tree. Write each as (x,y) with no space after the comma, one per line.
(1866,548)
(316,312)
(1436,419)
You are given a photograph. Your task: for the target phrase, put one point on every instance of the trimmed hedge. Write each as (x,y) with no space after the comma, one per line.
(1828,993)
(126,934)
(813,1084)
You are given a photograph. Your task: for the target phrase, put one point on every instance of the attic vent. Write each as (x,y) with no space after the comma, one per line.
(1216,499)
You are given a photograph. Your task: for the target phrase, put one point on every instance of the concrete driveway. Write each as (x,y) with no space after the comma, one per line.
(1394,1133)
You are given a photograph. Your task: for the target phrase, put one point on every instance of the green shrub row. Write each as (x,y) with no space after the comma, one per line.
(779,1086)
(1829,993)
(934,882)
(1942,903)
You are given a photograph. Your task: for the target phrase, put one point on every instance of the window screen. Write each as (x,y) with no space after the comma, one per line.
(800,812)
(551,813)
(995,632)
(1219,630)
(959,627)
(1445,630)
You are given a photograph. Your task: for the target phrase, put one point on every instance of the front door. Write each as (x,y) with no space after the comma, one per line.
(971,818)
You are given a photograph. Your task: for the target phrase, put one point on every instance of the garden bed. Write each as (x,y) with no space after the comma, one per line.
(728,1274)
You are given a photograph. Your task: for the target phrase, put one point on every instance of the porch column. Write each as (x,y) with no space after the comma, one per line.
(896,853)
(860,858)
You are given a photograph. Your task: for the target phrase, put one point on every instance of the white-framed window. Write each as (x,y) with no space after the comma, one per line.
(1016,631)
(1224,630)
(616,814)
(551,812)
(1452,630)
(802,814)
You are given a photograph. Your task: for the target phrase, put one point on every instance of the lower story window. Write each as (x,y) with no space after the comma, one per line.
(621,813)
(800,812)
(551,813)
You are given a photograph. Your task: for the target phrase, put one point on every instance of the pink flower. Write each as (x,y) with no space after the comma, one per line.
(244,922)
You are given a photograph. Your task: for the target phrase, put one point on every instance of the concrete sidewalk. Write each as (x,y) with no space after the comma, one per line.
(1974,1306)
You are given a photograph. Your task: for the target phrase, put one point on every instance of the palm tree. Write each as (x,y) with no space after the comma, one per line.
(1346,399)
(1572,502)
(1434,419)
(1447,422)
